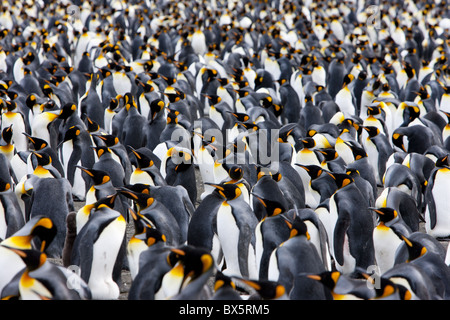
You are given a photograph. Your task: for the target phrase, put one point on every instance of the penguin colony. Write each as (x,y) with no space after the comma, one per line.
(319,130)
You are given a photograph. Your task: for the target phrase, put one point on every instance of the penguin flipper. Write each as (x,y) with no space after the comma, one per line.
(340,232)
(430,200)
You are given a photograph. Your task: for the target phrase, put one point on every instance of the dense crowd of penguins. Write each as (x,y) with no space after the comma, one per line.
(317,131)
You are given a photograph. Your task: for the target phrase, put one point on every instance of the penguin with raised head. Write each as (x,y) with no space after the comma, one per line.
(76,150)
(175,199)
(156,123)
(40,145)
(97,248)
(13,118)
(7,146)
(106,162)
(145,235)
(100,186)
(41,166)
(320,185)
(132,129)
(119,151)
(179,170)
(146,171)
(378,151)
(269,206)
(156,212)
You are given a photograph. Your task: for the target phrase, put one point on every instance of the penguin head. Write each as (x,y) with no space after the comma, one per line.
(297,227)
(101,150)
(72,133)
(195,261)
(33,259)
(142,160)
(442,162)
(308,142)
(373,110)
(154,236)
(156,106)
(114,103)
(387,288)
(142,225)
(240,117)
(99,177)
(174,95)
(10,105)
(235,172)
(348,78)
(228,191)
(330,154)
(181,158)
(105,202)
(266,289)
(385,214)
(341,179)
(141,199)
(110,140)
(7,134)
(223,281)
(358,152)
(397,140)
(67,110)
(172,116)
(415,249)
(37,143)
(42,158)
(371,130)
(91,125)
(314,171)
(129,100)
(5,186)
(328,278)
(43,231)
(213,99)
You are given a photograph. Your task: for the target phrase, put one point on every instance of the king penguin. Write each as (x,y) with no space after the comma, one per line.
(378,151)
(235,223)
(292,259)
(76,150)
(437,222)
(353,228)
(387,237)
(96,249)
(269,206)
